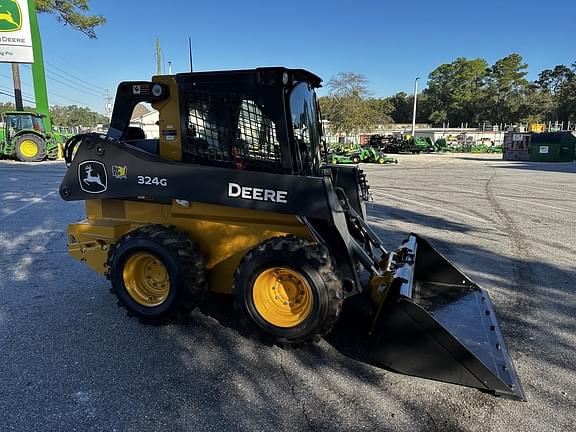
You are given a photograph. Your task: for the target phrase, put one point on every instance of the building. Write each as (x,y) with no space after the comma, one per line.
(147,119)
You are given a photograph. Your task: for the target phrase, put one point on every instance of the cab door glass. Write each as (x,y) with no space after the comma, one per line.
(27,122)
(306,133)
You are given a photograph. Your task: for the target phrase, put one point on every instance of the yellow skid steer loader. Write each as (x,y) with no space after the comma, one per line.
(234,198)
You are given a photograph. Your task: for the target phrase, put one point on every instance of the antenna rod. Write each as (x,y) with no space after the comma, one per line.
(158,58)
(190,53)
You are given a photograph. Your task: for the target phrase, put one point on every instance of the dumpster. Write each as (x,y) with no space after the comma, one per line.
(553,147)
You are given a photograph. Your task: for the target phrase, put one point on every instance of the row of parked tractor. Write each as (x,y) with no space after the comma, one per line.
(417,145)
(378,147)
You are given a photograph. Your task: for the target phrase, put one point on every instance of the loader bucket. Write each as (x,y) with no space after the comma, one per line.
(438,324)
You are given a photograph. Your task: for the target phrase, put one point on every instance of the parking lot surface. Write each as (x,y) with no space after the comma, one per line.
(72,360)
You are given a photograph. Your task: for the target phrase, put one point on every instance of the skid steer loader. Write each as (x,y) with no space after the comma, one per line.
(234,198)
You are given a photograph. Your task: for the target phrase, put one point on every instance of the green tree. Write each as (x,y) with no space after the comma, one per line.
(74,115)
(9,106)
(383,108)
(347,107)
(438,117)
(560,86)
(458,89)
(504,87)
(74,13)
(402,107)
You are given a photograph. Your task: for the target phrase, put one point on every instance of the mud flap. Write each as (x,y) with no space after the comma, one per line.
(438,324)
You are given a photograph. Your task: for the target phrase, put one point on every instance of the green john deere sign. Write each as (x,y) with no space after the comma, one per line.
(10,16)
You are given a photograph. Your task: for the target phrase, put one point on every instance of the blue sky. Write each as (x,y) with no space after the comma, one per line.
(389,42)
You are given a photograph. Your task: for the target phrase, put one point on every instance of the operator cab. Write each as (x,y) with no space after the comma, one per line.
(265,119)
(16,121)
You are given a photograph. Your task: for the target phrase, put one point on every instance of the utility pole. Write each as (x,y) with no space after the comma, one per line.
(108,104)
(17,87)
(414,110)
(158,58)
(38,73)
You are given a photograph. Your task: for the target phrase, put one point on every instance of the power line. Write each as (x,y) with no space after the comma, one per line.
(8,89)
(73,85)
(84,91)
(71,100)
(29,99)
(52,94)
(66,61)
(6,93)
(23,82)
(74,77)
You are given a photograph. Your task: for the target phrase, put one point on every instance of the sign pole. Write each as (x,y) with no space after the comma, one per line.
(38,73)
(17,87)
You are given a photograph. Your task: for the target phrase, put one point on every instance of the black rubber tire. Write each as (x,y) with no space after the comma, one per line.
(310,260)
(355,159)
(40,156)
(182,260)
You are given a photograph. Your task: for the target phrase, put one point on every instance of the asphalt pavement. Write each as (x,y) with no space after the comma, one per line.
(70,359)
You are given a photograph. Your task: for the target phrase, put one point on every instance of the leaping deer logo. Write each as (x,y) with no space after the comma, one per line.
(10,15)
(7,16)
(92,178)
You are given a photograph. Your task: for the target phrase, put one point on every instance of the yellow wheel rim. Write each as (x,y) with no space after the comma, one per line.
(146,279)
(282,297)
(29,148)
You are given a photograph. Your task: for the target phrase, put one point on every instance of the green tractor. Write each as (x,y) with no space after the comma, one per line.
(361,154)
(24,137)
(371,155)
(62,134)
(417,145)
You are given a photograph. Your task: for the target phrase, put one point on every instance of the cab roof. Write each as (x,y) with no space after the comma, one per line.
(263,74)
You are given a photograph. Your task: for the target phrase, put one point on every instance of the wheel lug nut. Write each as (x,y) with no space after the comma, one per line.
(285,302)
(277,297)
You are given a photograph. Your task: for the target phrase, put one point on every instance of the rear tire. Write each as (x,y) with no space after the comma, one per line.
(30,148)
(355,159)
(156,272)
(287,290)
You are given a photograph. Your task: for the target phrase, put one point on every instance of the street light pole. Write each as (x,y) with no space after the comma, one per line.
(414,110)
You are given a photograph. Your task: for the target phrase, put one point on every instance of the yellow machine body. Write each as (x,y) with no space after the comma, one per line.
(223,234)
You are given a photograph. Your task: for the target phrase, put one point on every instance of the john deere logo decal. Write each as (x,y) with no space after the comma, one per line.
(10,16)
(92,177)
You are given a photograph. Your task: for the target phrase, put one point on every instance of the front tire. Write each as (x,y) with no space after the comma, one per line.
(30,148)
(286,288)
(156,272)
